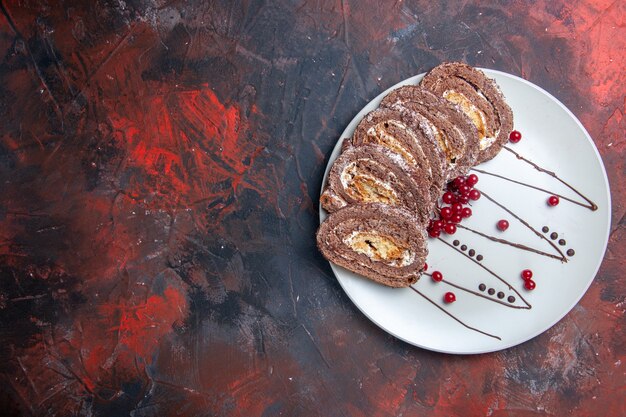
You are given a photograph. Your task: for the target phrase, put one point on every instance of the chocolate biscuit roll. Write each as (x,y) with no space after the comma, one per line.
(372,173)
(378,241)
(401,133)
(454,132)
(477,96)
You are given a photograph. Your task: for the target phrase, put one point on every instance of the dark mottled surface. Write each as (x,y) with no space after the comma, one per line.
(160,165)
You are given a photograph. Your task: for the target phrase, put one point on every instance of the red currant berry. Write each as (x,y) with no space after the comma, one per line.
(437,276)
(474,194)
(448,197)
(465,189)
(466,212)
(425,267)
(449,297)
(456,218)
(463,199)
(450,228)
(553,200)
(434,232)
(515,136)
(527,274)
(438,224)
(471,180)
(446,213)
(530,284)
(503,225)
(458,182)
(457,208)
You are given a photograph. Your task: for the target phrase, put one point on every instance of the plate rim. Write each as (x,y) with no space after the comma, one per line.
(413,80)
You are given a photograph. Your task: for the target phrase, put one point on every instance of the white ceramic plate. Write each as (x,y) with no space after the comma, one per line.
(554,139)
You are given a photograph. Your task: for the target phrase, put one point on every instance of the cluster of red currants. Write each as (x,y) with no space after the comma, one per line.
(460,191)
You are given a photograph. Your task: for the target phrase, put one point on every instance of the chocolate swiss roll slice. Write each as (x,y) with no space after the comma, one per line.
(400,132)
(378,241)
(374,174)
(477,96)
(453,131)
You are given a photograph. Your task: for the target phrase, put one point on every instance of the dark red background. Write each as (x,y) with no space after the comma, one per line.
(160,166)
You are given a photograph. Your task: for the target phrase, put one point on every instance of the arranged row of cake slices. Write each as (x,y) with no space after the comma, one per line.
(382,189)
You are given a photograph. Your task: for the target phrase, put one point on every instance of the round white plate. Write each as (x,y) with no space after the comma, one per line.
(554,139)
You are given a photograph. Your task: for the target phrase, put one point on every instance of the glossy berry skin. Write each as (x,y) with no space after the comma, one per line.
(515,136)
(446,212)
(527,274)
(437,276)
(471,180)
(425,267)
(474,194)
(434,232)
(448,198)
(458,182)
(456,218)
(463,199)
(438,224)
(449,297)
(465,189)
(503,225)
(553,200)
(466,212)
(529,284)
(457,208)
(450,228)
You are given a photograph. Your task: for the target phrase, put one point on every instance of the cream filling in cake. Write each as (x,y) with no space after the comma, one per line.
(366,188)
(475,114)
(379,248)
(379,132)
(442,140)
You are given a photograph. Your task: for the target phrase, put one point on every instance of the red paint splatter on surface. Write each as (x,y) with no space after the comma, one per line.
(595,26)
(141,326)
(189,147)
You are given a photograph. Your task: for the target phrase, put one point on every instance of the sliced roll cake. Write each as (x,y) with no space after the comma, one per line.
(454,132)
(401,133)
(373,174)
(477,96)
(378,241)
